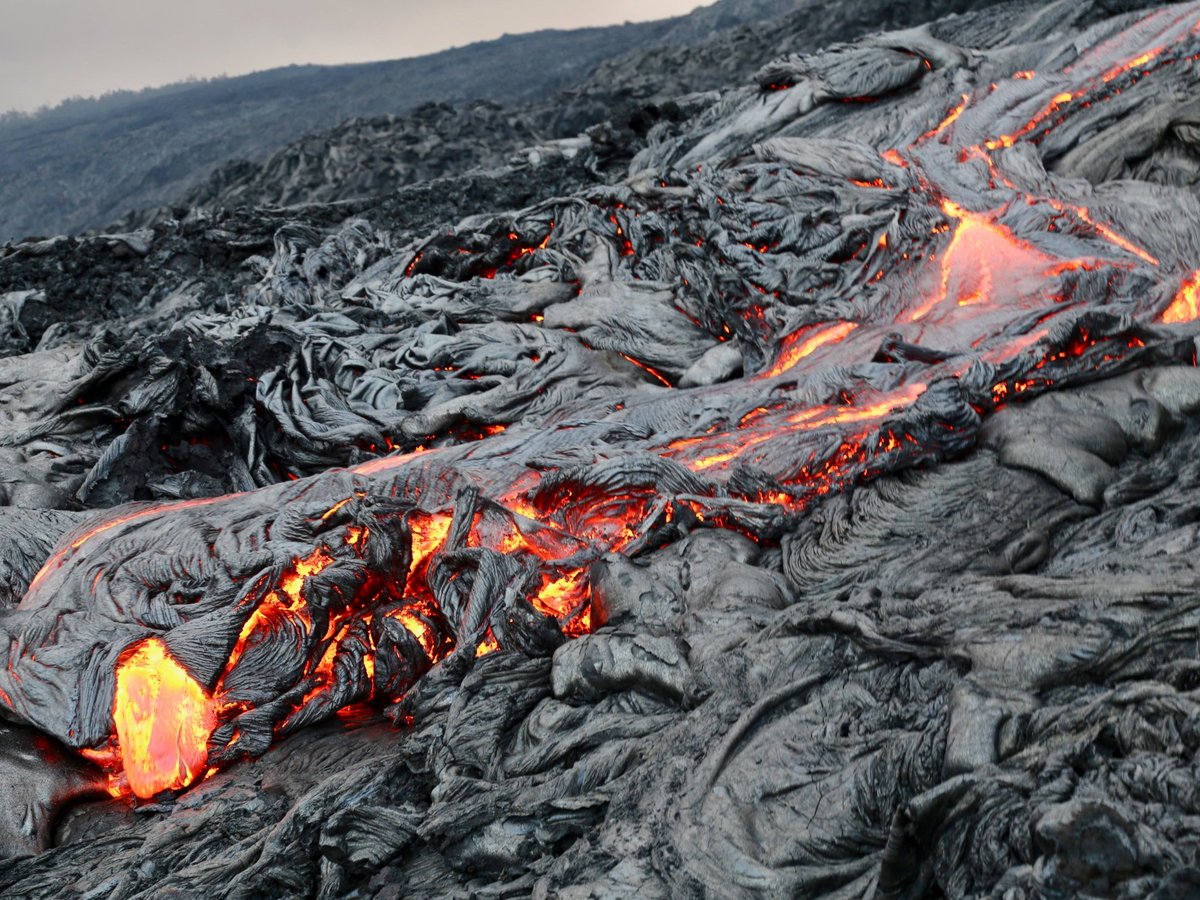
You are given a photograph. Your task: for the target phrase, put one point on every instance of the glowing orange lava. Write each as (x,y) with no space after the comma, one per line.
(489,644)
(287,602)
(654,373)
(57,559)
(559,596)
(313,564)
(421,630)
(979,249)
(428,534)
(1186,305)
(163,720)
(801,344)
(950,119)
(1057,102)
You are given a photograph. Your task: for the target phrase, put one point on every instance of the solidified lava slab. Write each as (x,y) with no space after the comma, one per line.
(633,469)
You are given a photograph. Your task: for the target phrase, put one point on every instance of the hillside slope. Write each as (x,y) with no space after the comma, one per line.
(715,46)
(87,162)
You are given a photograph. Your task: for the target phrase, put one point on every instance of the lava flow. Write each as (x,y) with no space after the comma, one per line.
(969,277)
(163,719)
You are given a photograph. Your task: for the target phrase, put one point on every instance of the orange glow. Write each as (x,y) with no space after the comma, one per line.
(286,602)
(420,629)
(1186,305)
(123,520)
(779,498)
(683,443)
(645,368)
(950,119)
(581,624)
(324,666)
(520,252)
(1002,392)
(978,248)
(557,597)
(841,415)
(1010,349)
(489,644)
(1081,212)
(109,759)
(163,721)
(512,542)
(1074,265)
(57,559)
(1113,238)
(1137,63)
(734,446)
(272,609)
(293,581)
(1103,230)
(724,456)
(794,349)
(429,532)
(1057,102)
(332,511)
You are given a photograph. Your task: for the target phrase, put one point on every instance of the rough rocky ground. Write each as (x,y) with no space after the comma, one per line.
(85,163)
(620,100)
(857,406)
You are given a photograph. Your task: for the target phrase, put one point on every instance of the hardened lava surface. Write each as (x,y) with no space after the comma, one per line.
(810,510)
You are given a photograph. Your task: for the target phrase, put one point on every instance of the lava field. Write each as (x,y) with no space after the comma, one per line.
(808,508)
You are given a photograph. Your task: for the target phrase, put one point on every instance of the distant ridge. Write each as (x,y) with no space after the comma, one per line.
(85,163)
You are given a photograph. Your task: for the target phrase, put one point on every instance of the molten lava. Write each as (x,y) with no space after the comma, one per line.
(804,343)
(1186,305)
(980,253)
(163,720)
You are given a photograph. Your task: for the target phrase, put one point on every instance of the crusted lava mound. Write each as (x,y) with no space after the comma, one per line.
(809,510)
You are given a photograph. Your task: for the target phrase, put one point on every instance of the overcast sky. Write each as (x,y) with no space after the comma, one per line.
(54,49)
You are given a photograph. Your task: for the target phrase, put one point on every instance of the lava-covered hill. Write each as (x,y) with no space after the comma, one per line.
(87,162)
(801,500)
(620,99)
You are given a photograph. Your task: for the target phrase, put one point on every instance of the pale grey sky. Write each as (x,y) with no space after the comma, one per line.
(53,49)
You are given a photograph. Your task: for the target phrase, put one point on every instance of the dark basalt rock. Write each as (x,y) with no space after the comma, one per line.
(802,503)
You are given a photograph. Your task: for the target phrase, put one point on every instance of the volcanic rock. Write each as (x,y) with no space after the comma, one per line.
(802,503)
